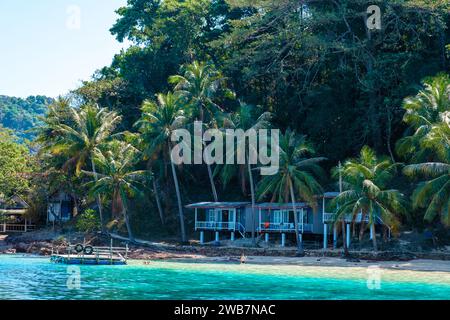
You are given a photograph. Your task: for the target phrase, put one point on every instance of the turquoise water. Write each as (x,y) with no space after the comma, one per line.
(24,277)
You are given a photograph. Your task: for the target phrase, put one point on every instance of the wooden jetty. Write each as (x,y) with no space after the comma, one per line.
(90,255)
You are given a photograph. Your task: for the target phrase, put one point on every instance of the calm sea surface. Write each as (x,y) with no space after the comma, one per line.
(25,277)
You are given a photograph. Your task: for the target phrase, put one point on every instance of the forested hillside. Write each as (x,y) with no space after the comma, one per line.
(20,115)
(368,107)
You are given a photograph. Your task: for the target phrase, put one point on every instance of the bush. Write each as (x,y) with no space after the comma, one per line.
(88,222)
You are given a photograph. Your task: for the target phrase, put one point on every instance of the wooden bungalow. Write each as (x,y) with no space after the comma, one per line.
(61,207)
(276,219)
(221,217)
(328,218)
(13,215)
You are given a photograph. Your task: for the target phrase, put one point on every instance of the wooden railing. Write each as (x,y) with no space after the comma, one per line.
(329,217)
(287,227)
(212,225)
(100,251)
(16,228)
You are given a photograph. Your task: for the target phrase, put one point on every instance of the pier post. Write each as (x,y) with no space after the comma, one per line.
(334,237)
(283,239)
(202,237)
(325,236)
(348,235)
(232,236)
(266,235)
(217,236)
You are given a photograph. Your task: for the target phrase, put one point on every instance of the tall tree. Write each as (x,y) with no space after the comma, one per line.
(248,117)
(366,180)
(89,129)
(117,178)
(200,84)
(434,194)
(297,177)
(159,121)
(423,111)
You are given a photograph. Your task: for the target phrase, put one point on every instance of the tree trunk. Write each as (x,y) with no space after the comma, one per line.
(99,202)
(158,201)
(180,206)
(75,206)
(362,227)
(344,236)
(127,221)
(374,238)
(252,190)
(213,186)
(210,175)
(389,133)
(297,235)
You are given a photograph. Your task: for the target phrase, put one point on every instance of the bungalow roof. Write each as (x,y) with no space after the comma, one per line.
(217,205)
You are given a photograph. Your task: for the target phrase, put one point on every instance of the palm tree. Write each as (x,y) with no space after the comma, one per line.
(434,194)
(246,118)
(143,142)
(158,122)
(199,85)
(89,129)
(422,112)
(365,180)
(297,175)
(117,178)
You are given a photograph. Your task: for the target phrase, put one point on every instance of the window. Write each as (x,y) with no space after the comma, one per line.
(276,217)
(299,216)
(210,215)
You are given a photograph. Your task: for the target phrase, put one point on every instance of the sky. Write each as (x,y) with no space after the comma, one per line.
(48,46)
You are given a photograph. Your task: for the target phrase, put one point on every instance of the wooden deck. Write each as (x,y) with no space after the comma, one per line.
(88,260)
(100,256)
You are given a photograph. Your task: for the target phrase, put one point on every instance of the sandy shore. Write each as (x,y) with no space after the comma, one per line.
(150,251)
(413,265)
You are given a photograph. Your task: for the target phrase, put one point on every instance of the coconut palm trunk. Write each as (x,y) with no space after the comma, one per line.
(374,238)
(344,236)
(98,200)
(252,191)
(127,218)
(180,206)
(362,228)
(297,235)
(210,174)
(211,181)
(158,200)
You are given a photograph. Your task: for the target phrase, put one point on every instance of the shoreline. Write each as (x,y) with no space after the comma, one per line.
(146,258)
(144,251)
(419,265)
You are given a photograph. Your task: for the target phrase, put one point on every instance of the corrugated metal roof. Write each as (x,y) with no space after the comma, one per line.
(330,194)
(13,211)
(270,205)
(212,205)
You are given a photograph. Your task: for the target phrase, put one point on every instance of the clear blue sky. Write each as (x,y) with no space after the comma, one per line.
(43,48)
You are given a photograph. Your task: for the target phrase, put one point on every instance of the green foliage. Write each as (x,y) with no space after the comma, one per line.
(88,221)
(117,178)
(311,66)
(297,170)
(87,130)
(366,191)
(428,109)
(15,165)
(429,114)
(22,115)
